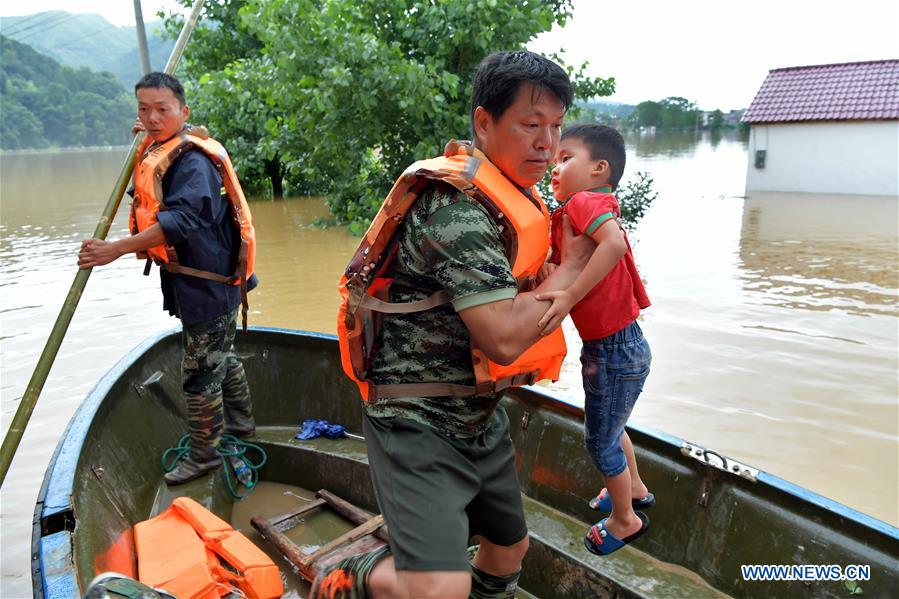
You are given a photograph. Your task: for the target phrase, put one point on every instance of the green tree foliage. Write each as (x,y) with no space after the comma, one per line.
(48,105)
(603,113)
(635,197)
(671,113)
(647,114)
(339,95)
(226,91)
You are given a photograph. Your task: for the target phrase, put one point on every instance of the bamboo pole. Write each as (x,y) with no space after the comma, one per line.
(142,49)
(51,348)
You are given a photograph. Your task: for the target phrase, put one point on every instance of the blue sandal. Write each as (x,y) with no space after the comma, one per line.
(601,542)
(603,502)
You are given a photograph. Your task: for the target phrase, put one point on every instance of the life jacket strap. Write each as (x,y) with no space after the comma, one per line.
(239,275)
(361,299)
(374,304)
(448,389)
(242,273)
(178,269)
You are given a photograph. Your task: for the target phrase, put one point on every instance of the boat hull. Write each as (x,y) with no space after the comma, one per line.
(106,475)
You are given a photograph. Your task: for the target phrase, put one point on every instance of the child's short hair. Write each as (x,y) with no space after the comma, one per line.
(604,143)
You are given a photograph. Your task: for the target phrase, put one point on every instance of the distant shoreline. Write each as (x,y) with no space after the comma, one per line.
(60,150)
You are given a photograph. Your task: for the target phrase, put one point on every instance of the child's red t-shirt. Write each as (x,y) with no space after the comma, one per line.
(617,299)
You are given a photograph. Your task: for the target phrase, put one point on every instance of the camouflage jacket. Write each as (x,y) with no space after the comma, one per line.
(448,241)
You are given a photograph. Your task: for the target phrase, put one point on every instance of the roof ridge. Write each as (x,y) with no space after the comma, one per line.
(835,64)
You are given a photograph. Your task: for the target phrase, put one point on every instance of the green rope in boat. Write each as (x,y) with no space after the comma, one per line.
(229,447)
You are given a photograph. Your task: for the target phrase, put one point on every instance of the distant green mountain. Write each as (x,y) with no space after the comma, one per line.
(46,104)
(89,40)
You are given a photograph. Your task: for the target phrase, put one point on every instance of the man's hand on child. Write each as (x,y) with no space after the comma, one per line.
(562,302)
(576,250)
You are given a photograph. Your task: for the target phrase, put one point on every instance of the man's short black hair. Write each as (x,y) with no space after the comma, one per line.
(501,74)
(159,81)
(604,143)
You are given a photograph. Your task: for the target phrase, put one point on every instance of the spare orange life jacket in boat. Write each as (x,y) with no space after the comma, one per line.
(524,224)
(181,550)
(153,162)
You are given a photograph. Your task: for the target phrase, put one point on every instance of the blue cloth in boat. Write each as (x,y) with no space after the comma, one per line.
(197,222)
(313,429)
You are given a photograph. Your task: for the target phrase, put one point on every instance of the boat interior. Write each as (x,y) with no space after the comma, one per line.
(712,515)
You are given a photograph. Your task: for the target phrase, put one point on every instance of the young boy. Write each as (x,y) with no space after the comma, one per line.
(604,301)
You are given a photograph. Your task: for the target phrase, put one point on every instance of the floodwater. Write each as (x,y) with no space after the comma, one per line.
(773,325)
(274,501)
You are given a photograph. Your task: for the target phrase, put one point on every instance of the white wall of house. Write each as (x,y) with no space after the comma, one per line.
(851,157)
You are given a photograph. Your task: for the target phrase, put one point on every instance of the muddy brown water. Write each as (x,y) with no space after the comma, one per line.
(773,326)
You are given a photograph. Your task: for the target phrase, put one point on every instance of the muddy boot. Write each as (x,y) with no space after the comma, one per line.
(189,469)
(239,420)
(347,579)
(111,585)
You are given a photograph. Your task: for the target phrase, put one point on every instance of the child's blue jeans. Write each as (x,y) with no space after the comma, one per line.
(614,369)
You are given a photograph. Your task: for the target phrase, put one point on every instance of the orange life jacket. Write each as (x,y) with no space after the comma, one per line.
(363,287)
(180,550)
(153,162)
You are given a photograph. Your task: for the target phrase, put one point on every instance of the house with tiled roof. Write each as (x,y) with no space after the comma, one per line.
(830,128)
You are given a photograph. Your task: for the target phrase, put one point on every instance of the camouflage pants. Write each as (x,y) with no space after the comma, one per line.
(215,385)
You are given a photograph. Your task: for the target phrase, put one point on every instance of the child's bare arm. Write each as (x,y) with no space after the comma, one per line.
(611,246)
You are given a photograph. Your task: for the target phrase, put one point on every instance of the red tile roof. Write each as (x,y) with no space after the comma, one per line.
(849,91)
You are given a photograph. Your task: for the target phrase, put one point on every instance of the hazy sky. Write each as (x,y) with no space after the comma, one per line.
(713,52)
(117,12)
(717,52)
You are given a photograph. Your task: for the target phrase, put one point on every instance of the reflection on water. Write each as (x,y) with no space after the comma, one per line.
(773,326)
(298,265)
(672,144)
(820,252)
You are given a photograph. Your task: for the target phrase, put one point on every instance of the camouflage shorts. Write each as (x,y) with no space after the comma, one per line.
(211,375)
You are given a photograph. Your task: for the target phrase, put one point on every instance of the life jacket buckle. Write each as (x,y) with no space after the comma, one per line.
(485,388)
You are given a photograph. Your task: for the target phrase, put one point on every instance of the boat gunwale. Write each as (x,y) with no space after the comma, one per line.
(55,496)
(765,478)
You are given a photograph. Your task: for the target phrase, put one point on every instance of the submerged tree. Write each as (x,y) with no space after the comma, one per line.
(339,96)
(670,113)
(635,197)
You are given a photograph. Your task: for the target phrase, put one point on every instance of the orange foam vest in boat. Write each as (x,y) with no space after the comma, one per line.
(524,224)
(181,549)
(153,162)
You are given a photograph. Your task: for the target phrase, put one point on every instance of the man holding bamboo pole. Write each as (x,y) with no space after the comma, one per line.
(190,216)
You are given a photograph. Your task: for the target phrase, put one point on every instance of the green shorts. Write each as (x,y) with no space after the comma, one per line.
(437,492)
